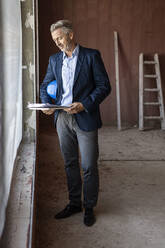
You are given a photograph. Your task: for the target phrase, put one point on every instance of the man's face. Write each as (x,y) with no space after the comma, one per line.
(62,40)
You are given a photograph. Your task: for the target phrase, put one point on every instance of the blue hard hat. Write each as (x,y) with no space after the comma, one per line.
(52,89)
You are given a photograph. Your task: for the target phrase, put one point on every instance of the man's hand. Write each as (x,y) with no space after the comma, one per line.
(48,112)
(75,108)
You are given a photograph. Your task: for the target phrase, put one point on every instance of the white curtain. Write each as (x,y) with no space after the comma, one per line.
(11,82)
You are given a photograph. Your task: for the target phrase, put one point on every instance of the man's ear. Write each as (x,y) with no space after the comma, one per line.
(71,35)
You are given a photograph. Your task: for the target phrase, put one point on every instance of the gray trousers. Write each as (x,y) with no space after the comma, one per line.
(72,140)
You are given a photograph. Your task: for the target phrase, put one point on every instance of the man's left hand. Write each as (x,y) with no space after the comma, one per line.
(75,108)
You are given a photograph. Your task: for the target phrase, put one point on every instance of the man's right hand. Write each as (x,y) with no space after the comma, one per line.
(48,112)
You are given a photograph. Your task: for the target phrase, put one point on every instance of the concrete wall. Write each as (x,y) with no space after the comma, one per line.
(140,24)
(29,73)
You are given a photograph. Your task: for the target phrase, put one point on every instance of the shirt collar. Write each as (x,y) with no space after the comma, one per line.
(75,53)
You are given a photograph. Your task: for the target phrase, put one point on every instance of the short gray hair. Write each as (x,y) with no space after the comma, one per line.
(65,25)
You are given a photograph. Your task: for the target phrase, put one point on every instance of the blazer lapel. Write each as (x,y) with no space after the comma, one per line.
(79,63)
(58,69)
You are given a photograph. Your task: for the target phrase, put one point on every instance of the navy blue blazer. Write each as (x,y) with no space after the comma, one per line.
(91,86)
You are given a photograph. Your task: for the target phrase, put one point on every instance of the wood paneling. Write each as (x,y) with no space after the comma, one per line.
(140,25)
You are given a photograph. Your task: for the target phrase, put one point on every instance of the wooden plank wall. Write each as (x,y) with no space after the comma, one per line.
(140,25)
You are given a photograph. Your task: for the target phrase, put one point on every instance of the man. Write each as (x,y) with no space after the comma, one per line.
(82,83)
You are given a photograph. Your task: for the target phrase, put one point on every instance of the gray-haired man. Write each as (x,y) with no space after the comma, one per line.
(83,84)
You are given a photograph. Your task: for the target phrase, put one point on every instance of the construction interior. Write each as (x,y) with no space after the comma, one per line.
(130,210)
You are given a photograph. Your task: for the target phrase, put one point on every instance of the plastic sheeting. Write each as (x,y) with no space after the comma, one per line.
(11,82)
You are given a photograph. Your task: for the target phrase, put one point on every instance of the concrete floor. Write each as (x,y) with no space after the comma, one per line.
(130,211)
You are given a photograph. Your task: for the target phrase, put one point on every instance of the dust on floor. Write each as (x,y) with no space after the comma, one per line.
(130,210)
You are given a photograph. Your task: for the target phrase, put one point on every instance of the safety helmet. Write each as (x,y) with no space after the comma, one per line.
(52,89)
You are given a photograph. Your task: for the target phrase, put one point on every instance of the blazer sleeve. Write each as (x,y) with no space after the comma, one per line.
(45,98)
(102,84)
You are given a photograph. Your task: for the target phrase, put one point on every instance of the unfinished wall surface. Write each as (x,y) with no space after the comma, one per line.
(29,72)
(140,25)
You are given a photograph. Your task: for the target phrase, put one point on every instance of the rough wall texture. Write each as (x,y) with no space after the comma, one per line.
(28,61)
(140,25)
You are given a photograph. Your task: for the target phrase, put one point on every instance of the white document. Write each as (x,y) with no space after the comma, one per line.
(44,106)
